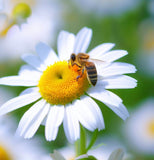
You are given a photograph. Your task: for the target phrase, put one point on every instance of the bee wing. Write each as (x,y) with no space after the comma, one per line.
(98,62)
(100,65)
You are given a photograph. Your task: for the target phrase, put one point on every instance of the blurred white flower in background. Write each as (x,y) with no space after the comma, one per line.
(139,129)
(145,56)
(24,23)
(106,7)
(110,144)
(151,7)
(14,148)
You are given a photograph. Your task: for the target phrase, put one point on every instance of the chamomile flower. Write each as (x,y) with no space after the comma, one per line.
(139,129)
(15,148)
(24,23)
(61,95)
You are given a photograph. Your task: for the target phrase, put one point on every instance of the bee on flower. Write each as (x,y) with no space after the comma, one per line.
(62,89)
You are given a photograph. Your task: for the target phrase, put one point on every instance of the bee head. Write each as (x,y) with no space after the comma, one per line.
(73,57)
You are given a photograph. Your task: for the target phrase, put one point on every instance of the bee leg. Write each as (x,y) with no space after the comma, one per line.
(79,76)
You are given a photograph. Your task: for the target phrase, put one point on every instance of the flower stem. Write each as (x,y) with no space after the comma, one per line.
(81,143)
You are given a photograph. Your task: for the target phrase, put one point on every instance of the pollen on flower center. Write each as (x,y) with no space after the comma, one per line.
(59,85)
(3,154)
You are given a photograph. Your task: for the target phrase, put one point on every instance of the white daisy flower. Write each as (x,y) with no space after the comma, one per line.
(63,93)
(106,7)
(15,148)
(24,23)
(139,129)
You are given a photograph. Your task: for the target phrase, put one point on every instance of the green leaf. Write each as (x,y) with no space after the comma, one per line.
(98,146)
(94,137)
(57,156)
(81,143)
(117,154)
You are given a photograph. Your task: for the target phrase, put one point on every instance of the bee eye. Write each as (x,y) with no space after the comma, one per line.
(73,57)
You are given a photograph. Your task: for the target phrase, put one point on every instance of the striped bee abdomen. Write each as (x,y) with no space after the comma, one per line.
(91,73)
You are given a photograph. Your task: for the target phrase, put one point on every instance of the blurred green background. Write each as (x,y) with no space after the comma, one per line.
(130,29)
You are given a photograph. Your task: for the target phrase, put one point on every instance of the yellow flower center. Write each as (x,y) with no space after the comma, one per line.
(149,41)
(151,128)
(4,154)
(59,85)
(21,10)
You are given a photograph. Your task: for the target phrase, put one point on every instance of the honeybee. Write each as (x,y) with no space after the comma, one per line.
(82,61)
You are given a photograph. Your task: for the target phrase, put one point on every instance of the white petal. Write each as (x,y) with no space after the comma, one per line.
(30,90)
(117,68)
(34,61)
(65,45)
(100,50)
(120,110)
(117,154)
(46,54)
(82,40)
(111,100)
(100,66)
(87,120)
(19,102)
(34,125)
(104,96)
(93,118)
(29,116)
(54,134)
(18,81)
(54,119)
(113,55)
(120,82)
(29,73)
(71,124)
